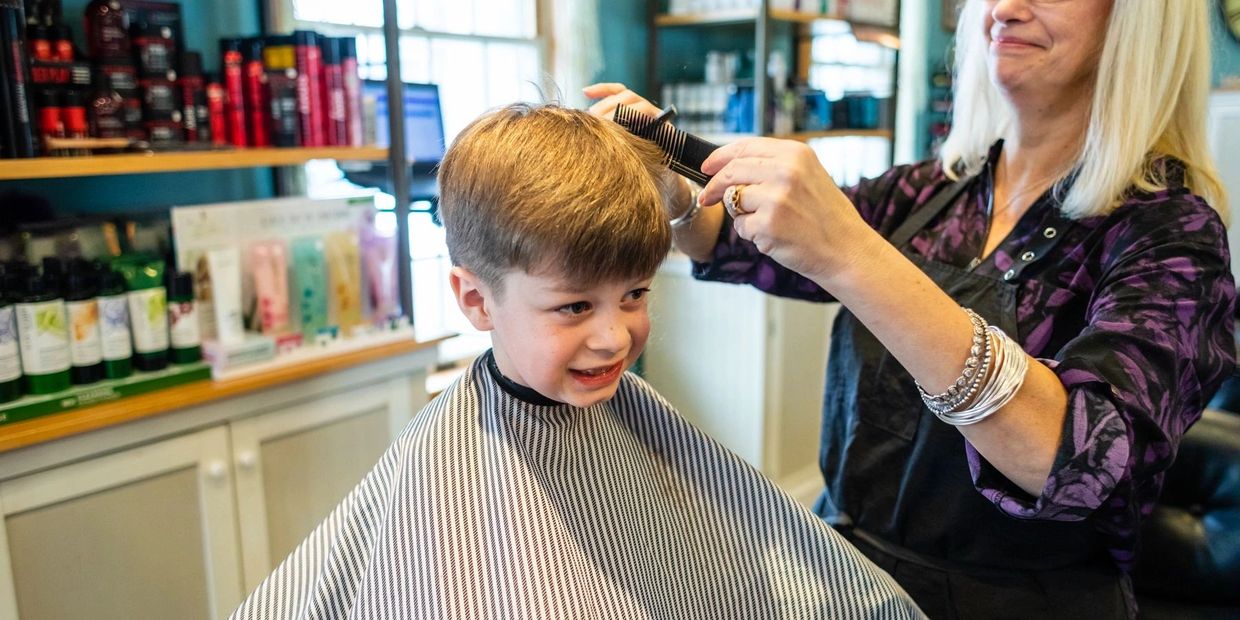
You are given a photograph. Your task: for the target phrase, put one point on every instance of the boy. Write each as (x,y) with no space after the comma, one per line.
(546,482)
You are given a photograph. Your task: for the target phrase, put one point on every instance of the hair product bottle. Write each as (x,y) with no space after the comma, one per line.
(85,347)
(281,61)
(107,30)
(43,337)
(114,333)
(148,311)
(183,320)
(10,359)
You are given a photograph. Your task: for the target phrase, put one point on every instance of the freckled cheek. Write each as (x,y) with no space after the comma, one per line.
(639,331)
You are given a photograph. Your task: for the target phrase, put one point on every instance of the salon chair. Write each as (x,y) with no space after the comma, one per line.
(1190,566)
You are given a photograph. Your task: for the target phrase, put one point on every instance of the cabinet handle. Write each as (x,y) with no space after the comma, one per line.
(217,470)
(247,459)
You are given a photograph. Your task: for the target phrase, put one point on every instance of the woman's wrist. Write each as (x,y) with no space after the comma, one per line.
(853,267)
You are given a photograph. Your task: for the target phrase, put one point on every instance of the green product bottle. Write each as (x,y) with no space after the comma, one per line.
(10,358)
(148,310)
(114,334)
(43,337)
(183,320)
(85,347)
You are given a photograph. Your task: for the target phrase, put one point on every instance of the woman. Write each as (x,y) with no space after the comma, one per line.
(1076,212)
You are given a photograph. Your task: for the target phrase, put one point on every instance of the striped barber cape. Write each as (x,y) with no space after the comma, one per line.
(490,506)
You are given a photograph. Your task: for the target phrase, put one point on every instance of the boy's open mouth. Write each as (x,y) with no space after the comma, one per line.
(598,376)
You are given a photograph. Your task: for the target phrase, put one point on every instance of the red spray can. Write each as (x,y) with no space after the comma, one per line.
(256,95)
(352,89)
(309,87)
(232,68)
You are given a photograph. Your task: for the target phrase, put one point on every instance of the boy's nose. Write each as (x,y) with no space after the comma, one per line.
(609,337)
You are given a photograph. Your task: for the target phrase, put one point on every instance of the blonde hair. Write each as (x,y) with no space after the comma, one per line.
(551,190)
(1149,104)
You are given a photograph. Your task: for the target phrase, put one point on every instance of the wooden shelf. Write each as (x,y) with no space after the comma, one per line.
(56,426)
(837,133)
(100,165)
(740,16)
(725,138)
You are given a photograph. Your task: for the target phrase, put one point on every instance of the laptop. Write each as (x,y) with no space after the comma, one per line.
(424,137)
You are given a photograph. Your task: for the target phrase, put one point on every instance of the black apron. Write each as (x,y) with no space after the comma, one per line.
(898,483)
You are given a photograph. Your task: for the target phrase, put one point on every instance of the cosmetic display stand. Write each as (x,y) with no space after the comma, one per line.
(176,502)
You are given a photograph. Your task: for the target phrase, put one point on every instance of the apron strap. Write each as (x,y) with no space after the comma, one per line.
(919,218)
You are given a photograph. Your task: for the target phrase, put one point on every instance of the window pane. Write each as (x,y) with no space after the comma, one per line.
(441,16)
(505,18)
(513,73)
(372,57)
(415,60)
(457,66)
(353,13)
(406,14)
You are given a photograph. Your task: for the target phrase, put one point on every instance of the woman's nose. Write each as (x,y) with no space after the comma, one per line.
(1010,10)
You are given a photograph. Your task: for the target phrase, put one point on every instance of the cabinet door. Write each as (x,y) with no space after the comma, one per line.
(145,533)
(294,465)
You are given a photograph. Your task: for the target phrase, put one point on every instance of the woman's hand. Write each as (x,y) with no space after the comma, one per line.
(795,213)
(613,94)
(610,95)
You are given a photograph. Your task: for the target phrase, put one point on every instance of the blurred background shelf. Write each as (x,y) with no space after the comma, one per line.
(141,163)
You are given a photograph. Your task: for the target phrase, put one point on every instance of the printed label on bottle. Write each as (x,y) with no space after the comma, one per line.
(148,313)
(84,345)
(10,359)
(184,317)
(114,328)
(43,336)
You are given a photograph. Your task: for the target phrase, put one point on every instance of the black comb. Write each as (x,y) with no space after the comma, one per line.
(684,152)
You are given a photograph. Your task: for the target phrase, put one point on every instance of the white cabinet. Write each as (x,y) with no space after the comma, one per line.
(746,367)
(182,515)
(294,465)
(145,533)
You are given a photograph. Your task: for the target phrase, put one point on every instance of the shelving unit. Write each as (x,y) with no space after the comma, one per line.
(177,161)
(93,417)
(764,18)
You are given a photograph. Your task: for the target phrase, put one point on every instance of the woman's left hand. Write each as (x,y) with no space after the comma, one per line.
(795,213)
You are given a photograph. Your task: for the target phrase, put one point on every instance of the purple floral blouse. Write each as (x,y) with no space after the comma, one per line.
(1132,310)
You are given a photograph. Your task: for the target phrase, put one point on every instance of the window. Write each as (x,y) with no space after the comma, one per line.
(481,53)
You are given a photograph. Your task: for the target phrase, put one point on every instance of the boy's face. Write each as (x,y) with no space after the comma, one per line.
(569,345)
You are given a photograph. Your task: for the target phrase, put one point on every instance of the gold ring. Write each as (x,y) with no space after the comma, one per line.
(732,200)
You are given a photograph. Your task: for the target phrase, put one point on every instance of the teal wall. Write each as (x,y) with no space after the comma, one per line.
(1226,51)
(206,21)
(625,37)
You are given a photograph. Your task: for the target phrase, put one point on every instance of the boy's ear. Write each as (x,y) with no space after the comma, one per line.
(471,295)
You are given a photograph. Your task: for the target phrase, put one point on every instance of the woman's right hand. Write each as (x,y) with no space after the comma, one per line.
(613,94)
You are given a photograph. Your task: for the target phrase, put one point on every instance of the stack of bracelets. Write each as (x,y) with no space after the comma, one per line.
(992,375)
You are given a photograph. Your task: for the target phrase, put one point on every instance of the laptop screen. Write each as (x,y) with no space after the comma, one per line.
(424,141)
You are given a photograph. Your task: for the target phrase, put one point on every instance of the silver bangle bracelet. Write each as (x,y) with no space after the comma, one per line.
(975,367)
(1010,367)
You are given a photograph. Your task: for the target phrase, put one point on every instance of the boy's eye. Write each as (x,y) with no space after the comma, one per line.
(579,307)
(637,294)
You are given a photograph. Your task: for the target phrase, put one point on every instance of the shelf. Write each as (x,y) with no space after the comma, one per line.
(141,163)
(56,426)
(740,16)
(725,138)
(837,133)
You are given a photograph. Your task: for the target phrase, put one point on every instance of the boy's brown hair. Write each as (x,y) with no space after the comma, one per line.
(553,191)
